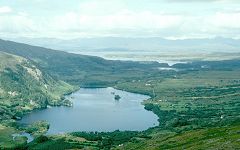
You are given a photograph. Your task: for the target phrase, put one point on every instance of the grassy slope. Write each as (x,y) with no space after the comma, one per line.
(24,87)
(211,138)
(9,61)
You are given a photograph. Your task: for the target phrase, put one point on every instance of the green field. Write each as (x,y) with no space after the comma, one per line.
(211,138)
(7,141)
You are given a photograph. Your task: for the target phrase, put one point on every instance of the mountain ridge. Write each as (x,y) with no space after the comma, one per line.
(159,44)
(74,68)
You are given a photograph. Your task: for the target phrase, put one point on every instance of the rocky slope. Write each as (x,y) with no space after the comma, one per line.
(24,87)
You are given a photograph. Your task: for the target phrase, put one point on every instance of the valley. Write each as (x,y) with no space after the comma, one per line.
(195,102)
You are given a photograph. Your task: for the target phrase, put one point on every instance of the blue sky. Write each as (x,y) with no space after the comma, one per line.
(123,18)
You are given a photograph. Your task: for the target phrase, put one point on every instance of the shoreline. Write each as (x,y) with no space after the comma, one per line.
(142,103)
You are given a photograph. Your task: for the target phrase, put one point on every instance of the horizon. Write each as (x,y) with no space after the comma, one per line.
(168,19)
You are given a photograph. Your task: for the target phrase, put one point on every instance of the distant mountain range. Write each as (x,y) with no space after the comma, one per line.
(120,44)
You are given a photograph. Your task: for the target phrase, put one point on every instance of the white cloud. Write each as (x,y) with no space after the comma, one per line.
(226,20)
(146,23)
(115,18)
(16,24)
(125,21)
(103,7)
(5,9)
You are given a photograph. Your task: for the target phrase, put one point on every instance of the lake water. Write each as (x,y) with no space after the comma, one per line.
(95,109)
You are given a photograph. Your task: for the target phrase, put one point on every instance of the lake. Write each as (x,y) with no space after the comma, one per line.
(95,109)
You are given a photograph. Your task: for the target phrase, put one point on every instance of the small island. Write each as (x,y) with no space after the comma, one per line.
(67,103)
(117,97)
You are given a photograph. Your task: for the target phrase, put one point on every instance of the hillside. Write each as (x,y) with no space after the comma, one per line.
(211,138)
(93,71)
(24,87)
(78,69)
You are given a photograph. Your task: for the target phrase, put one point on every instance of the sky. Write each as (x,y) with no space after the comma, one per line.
(172,19)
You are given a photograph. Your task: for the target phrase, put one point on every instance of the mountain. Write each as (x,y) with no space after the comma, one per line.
(24,87)
(121,44)
(77,69)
